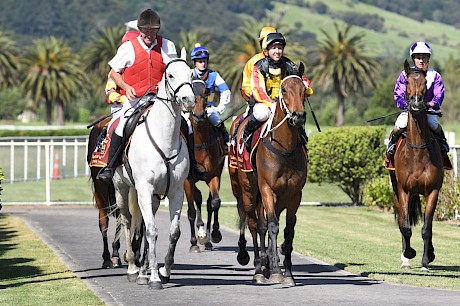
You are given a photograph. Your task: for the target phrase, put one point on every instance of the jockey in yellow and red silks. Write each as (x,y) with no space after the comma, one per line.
(266,81)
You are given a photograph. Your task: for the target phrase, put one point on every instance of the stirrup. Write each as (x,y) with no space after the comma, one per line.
(391,148)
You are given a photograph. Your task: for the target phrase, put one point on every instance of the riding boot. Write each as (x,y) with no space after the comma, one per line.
(249,130)
(394,136)
(194,171)
(221,128)
(116,148)
(303,136)
(442,138)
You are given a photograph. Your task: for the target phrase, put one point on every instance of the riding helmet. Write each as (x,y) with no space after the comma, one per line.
(199,52)
(148,19)
(420,47)
(273,38)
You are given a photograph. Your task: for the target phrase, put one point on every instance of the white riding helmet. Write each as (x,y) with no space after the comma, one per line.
(420,47)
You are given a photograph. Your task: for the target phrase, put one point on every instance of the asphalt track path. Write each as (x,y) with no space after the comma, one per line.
(209,277)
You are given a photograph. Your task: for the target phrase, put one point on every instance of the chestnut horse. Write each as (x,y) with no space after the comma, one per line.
(104,196)
(275,184)
(208,153)
(418,171)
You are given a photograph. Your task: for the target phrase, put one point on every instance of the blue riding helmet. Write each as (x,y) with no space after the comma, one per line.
(200,52)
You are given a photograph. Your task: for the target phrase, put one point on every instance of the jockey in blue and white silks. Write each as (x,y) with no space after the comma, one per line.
(213,81)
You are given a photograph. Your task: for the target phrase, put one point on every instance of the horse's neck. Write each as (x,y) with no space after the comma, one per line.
(417,128)
(285,136)
(202,131)
(164,122)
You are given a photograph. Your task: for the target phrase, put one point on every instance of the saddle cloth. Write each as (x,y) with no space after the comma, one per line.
(239,155)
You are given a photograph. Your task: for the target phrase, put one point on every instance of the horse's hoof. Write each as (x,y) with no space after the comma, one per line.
(164,279)
(243,258)
(425,270)
(142,280)
(405,267)
(259,279)
(266,273)
(107,264)
(276,278)
(208,246)
(194,249)
(132,277)
(289,281)
(216,236)
(155,285)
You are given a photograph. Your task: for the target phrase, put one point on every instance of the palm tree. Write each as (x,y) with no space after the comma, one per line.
(102,48)
(8,61)
(341,60)
(52,73)
(188,40)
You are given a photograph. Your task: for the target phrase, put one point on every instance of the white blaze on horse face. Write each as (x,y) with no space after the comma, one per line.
(186,95)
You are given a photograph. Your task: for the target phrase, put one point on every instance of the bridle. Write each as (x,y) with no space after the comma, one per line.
(416,103)
(288,114)
(169,89)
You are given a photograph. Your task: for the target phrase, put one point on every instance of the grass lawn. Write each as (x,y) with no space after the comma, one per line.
(38,277)
(368,243)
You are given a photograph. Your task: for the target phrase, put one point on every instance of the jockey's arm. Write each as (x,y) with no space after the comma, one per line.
(258,88)
(118,79)
(400,92)
(225,94)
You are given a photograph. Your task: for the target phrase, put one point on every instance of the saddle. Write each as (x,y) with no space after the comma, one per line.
(239,156)
(389,159)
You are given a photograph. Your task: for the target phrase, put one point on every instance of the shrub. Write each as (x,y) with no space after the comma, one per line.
(449,198)
(347,157)
(378,192)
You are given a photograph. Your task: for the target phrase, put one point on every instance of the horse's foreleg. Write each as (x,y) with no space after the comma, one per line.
(203,236)
(112,208)
(287,247)
(175,208)
(406,231)
(189,189)
(215,204)
(427,234)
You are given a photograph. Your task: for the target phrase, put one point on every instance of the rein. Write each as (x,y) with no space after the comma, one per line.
(268,128)
(411,101)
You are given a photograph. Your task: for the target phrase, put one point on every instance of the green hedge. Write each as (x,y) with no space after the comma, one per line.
(347,157)
(45,133)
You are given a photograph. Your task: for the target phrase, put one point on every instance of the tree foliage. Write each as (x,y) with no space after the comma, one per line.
(52,75)
(8,63)
(347,157)
(340,60)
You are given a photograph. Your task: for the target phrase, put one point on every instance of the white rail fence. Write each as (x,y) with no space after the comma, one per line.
(36,158)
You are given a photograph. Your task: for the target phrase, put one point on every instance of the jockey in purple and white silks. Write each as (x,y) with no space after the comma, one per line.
(420,53)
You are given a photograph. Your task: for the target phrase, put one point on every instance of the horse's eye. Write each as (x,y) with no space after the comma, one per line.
(170,76)
(283,89)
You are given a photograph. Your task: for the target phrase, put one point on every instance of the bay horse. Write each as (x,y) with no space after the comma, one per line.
(418,171)
(275,184)
(210,154)
(159,163)
(104,197)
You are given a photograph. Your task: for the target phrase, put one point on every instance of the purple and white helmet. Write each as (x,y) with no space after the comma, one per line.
(420,47)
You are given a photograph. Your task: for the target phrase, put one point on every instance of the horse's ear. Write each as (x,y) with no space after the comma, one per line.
(183,54)
(406,66)
(301,69)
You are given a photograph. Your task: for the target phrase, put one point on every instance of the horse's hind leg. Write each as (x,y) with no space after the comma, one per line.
(101,198)
(427,234)
(116,261)
(243,255)
(191,214)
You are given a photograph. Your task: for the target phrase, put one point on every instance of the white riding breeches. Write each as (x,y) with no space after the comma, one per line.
(261,112)
(401,122)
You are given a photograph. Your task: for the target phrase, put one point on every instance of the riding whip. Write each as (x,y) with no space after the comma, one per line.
(234,112)
(314,116)
(383,117)
(101,119)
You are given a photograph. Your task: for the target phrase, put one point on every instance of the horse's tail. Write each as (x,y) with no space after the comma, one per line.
(415,210)
(136,216)
(118,229)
